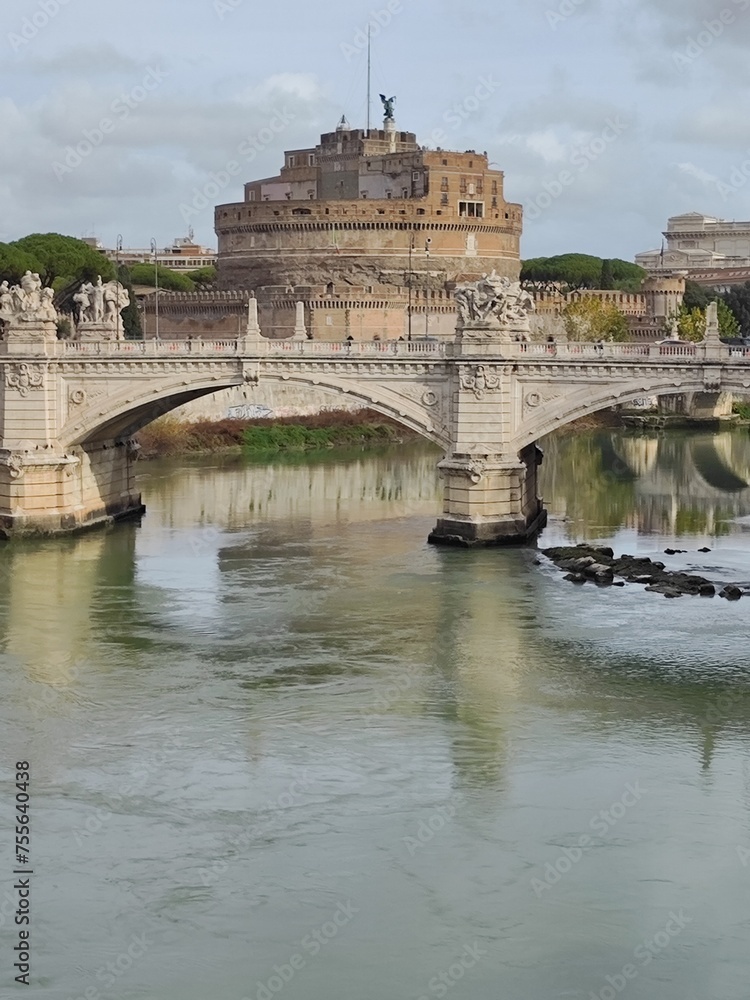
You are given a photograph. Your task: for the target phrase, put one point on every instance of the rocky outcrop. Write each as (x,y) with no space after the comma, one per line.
(596,564)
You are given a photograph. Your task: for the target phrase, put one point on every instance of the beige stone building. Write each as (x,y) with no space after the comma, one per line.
(369,230)
(710,250)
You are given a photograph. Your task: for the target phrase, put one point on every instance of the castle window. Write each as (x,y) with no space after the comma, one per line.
(420,211)
(311,160)
(471,163)
(445,163)
(471,209)
(251,195)
(444,199)
(404,192)
(494,187)
(415,175)
(444,184)
(389,194)
(291,161)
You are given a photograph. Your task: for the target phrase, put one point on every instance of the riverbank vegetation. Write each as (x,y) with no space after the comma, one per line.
(170,437)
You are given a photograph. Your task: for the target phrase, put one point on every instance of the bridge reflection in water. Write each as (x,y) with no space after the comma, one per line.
(669,484)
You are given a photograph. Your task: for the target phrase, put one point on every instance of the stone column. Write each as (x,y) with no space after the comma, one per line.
(300,330)
(252,336)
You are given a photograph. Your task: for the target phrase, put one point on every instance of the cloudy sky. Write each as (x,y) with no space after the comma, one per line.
(607,116)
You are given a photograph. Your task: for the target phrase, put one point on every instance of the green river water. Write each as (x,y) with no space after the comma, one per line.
(280,746)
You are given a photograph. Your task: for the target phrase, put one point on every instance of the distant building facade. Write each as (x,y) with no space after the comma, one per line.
(371,231)
(183,254)
(710,250)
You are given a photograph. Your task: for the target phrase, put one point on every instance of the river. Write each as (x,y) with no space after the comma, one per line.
(279,745)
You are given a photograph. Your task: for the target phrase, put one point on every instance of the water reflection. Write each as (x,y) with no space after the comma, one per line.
(669,483)
(293,685)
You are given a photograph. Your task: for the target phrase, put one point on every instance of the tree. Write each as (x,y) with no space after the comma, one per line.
(14,263)
(697,296)
(203,275)
(131,318)
(61,260)
(738,300)
(607,280)
(591,319)
(573,271)
(729,327)
(691,323)
(169,280)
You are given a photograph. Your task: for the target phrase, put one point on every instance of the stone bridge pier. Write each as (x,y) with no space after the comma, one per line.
(490,486)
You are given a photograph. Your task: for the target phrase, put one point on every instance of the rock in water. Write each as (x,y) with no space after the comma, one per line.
(731,593)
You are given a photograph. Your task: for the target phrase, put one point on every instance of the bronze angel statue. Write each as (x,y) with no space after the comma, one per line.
(388,103)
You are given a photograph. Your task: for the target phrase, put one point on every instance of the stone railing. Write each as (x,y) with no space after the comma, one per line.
(383,349)
(575,351)
(148,348)
(219,348)
(369,348)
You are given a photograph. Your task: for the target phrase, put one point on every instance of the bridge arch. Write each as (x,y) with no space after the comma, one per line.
(585,400)
(125,412)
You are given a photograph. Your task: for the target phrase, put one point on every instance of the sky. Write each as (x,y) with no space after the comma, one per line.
(607,116)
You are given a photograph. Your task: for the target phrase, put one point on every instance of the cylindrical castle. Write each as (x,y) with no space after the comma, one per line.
(371,231)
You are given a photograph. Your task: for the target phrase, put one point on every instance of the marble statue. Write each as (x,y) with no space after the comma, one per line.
(98,308)
(27,309)
(494,304)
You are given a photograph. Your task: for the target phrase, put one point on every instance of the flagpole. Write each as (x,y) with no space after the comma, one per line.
(369,76)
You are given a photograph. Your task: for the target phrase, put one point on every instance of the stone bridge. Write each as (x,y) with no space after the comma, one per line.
(69,410)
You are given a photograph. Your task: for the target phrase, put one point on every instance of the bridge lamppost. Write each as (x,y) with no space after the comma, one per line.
(408,308)
(156,279)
